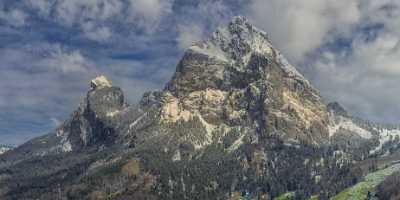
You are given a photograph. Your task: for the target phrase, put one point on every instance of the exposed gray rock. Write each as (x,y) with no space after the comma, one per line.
(237,78)
(337,109)
(94,121)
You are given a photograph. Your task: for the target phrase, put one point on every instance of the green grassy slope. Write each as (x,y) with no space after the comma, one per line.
(360,191)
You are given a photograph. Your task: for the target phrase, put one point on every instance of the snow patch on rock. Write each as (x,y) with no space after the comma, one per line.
(385,135)
(4,149)
(210,50)
(236,144)
(133,124)
(177,156)
(340,122)
(209,127)
(66,146)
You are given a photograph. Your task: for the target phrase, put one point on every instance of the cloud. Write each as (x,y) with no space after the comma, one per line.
(43,7)
(148,13)
(199,20)
(188,34)
(97,18)
(96,33)
(299,27)
(39,82)
(65,61)
(71,12)
(14,18)
(365,76)
(56,121)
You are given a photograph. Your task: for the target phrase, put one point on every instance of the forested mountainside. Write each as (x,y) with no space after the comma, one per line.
(236,121)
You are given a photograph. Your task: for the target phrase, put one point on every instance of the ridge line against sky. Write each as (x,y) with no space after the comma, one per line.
(50,49)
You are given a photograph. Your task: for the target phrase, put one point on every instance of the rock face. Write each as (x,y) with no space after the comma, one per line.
(93,123)
(336,109)
(238,79)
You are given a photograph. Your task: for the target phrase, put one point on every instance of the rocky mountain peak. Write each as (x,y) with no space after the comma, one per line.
(239,39)
(238,42)
(237,78)
(231,52)
(94,121)
(337,109)
(100,81)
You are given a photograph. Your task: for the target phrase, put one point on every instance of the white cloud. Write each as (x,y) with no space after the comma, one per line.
(147,14)
(37,83)
(96,33)
(56,121)
(188,34)
(366,77)
(15,17)
(203,16)
(299,27)
(65,61)
(77,11)
(95,18)
(43,7)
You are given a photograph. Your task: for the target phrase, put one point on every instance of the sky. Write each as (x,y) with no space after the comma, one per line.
(51,49)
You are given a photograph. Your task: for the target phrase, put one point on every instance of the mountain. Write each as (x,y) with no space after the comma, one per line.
(90,126)
(237,79)
(235,121)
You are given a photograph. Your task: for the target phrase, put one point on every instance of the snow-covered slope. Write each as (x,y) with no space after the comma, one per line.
(388,139)
(379,139)
(345,123)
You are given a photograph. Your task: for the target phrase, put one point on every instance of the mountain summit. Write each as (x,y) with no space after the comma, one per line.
(93,123)
(237,78)
(100,82)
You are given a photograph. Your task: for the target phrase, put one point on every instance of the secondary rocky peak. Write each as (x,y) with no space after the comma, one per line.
(337,109)
(100,81)
(93,123)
